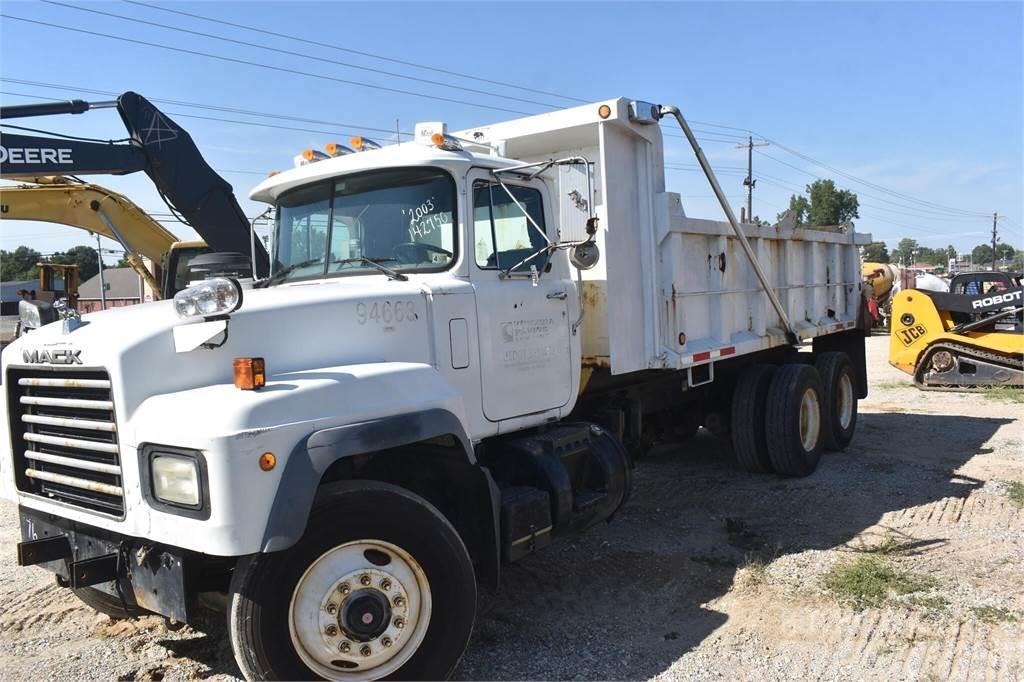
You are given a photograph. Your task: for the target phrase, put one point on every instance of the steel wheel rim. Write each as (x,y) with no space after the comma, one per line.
(324,597)
(846,401)
(810,419)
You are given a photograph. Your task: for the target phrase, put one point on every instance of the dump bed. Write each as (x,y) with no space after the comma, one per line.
(671,291)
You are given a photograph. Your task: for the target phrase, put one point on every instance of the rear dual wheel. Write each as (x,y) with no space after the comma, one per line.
(777,419)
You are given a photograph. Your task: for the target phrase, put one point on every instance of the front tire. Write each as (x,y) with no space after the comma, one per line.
(379,586)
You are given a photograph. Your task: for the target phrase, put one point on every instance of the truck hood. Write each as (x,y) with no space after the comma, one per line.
(300,326)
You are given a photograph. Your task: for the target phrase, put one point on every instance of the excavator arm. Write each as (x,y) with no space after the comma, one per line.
(157,146)
(55,199)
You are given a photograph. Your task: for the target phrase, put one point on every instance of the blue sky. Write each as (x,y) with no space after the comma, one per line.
(923,99)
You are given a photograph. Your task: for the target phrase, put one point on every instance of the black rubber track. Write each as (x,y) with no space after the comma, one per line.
(782,420)
(749,399)
(262,585)
(831,367)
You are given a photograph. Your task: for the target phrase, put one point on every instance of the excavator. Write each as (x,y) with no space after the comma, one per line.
(49,168)
(67,201)
(969,338)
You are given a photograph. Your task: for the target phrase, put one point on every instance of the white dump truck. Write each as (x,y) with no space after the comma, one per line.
(463,344)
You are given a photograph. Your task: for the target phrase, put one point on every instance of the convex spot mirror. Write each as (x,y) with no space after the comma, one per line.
(585,256)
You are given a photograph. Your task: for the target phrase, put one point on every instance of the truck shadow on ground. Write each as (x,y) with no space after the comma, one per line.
(627,599)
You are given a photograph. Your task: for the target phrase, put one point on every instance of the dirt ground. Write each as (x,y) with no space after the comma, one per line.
(707,572)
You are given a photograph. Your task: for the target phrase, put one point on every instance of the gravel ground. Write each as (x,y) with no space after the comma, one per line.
(707,572)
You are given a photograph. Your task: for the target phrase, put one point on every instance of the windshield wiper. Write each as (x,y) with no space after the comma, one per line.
(374,262)
(277,276)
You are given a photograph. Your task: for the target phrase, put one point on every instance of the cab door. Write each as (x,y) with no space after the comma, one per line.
(523,321)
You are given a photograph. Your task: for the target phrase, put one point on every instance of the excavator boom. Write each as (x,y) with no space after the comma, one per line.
(157,146)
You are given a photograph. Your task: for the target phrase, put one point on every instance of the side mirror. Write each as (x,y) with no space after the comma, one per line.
(585,256)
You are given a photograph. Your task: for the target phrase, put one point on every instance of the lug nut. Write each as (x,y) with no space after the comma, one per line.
(399,623)
(385,584)
(364,581)
(365,650)
(386,642)
(332,609)
(344,647)
(331,630)
(344,588)
(399,600)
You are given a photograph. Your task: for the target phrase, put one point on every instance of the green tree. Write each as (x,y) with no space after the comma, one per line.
(876,252)
(904,252)
(82,256)
(19,264)
(950,251)
(981,255)
(826,205)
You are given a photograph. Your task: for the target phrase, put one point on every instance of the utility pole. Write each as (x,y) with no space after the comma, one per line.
(995,222)
(749,181)
(103,283)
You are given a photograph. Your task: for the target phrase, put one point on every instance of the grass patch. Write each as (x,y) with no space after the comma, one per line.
(892,384)
(1007,394)
(871,581)
(994,614)
(753,572)
(932,603)
(1015,491)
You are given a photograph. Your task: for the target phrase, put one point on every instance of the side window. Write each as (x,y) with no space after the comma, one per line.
(503,235)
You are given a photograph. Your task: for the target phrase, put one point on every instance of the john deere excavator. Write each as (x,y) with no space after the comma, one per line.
(91,207)
(156,146)
(970,338)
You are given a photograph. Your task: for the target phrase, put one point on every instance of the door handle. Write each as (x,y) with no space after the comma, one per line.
(557,295)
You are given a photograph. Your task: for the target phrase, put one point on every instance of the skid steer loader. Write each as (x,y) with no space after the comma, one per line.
(969,339)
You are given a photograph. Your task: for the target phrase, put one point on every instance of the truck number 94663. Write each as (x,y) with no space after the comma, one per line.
(386,312)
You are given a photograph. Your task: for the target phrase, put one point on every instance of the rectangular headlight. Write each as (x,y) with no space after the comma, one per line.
(176,480)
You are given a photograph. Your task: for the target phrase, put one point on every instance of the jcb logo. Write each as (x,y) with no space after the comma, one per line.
(53,357)
(911,334)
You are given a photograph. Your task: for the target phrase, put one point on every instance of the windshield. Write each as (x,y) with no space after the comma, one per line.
(401,218)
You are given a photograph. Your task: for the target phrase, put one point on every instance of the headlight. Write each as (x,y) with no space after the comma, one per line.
(176,480)
(212,297)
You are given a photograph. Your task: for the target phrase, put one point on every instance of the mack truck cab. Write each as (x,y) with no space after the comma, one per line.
(456,353)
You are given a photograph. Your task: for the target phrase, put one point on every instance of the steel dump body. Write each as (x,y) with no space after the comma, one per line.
(671,291)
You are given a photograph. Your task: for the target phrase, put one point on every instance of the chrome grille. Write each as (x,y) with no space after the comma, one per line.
(64,436)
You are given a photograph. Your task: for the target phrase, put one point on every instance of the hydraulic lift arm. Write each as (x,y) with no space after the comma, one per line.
(157,146)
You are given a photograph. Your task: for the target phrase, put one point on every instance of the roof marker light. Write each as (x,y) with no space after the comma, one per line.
(446,142)
(363,144)
(336,149)
(309,156)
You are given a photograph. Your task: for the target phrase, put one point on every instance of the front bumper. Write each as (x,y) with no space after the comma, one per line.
(153,576)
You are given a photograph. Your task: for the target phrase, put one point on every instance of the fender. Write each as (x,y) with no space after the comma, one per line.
(314,455)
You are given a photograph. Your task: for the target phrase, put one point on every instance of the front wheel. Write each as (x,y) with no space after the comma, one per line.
(379,586)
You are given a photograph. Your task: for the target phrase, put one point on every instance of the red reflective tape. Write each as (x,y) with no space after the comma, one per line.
(699,357)
(728,350)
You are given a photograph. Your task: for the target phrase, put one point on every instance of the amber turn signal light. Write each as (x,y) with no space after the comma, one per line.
(268,461)
(604,111)
(250,373)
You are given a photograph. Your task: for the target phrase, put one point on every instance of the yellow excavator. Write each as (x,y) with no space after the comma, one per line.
(967,339)
(64,201)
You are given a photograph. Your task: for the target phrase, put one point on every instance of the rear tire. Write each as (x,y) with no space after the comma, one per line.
(749,400)
(309,611)
(108,604)
(794,420)
(839,393)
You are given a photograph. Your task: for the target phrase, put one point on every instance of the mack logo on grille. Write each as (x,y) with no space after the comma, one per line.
(53,357)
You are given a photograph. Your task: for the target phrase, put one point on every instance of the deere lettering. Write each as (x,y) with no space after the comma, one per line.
(1008,297)
(26,155)
(53,357)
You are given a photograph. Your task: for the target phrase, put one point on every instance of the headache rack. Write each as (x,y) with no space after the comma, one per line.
(64,437)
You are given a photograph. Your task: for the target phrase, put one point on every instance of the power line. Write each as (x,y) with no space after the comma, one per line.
(245,43)
(260,65)
(200,105)
(358,52)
